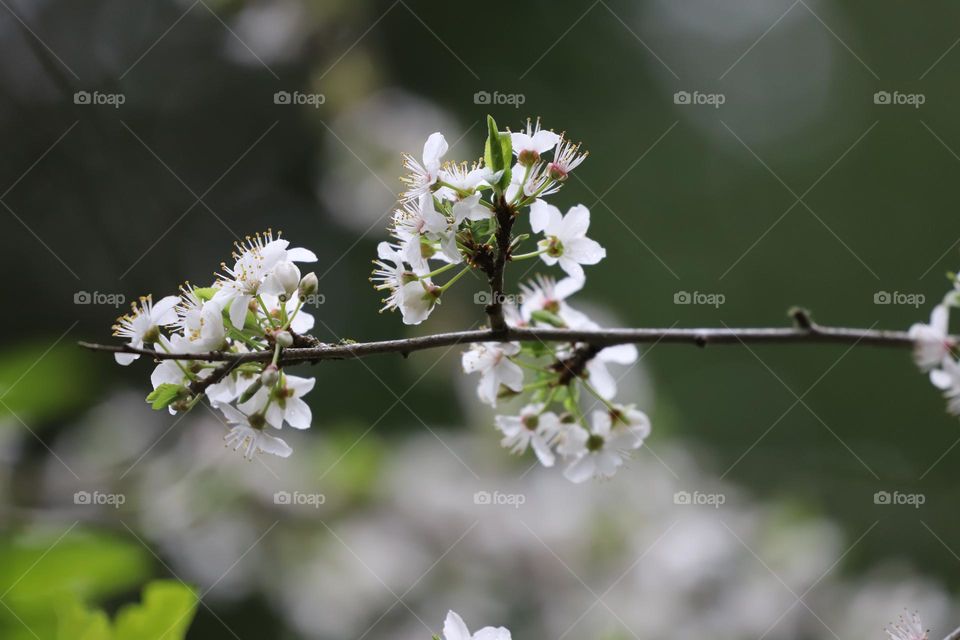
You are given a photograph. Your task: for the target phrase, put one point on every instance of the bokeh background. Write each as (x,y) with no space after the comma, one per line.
(801,188)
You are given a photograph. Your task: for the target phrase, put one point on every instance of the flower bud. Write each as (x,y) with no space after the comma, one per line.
(270,375)
(287,276)
(309,284)
(284,339)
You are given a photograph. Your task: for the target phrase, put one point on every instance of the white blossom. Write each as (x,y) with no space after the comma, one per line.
(463,179)
(566,158)
(547,294)
(229,389)
(414,296)
(534,428)
(142,325)
(530,145)
(947,378)
(908,627)
(247,434)
(283,403)
(492,361)
(284,280)
(255,260)
(470,208)
(200,324)
(932,342)
(565,237)
(600,452)
(301,323)
(455,629)
(599,376)
(535,181)
(424,175)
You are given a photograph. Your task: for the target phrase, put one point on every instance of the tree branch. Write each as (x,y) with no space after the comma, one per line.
(505,215)
(806,332)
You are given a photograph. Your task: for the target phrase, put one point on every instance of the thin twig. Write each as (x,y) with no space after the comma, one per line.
(598,338)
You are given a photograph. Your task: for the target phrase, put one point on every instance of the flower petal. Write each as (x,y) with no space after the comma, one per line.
(454,628)
(544,217)
(575,223)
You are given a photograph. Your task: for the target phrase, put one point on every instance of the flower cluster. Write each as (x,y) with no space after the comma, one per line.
(452,212)
(455,214)
(559,380)
(255,305)
(935,350)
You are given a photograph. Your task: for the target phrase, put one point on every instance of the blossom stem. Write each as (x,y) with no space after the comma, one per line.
(266,312)
(296,310)
(185,371)
(537,385)
(239,335)
(527,365)
(452,280)
(276,353)
(527,256)
(520,194)
(575,406)
(596,394)
(536,194)
(436,272)
(463,193)
(549,399)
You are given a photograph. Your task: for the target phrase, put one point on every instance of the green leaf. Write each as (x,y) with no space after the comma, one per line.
(204,293)
(165,394)
(166,612)
(542,315)
(498,152)
(40,571)
(76,622)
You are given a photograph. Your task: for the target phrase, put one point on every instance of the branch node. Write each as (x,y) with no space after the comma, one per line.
(802,318)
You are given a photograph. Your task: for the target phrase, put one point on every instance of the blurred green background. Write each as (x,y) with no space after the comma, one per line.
(800,189)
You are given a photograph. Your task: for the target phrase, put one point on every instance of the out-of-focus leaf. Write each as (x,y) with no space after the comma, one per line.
(356,473)
(38,573)
(166,612)
(38,382)
(76,622)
